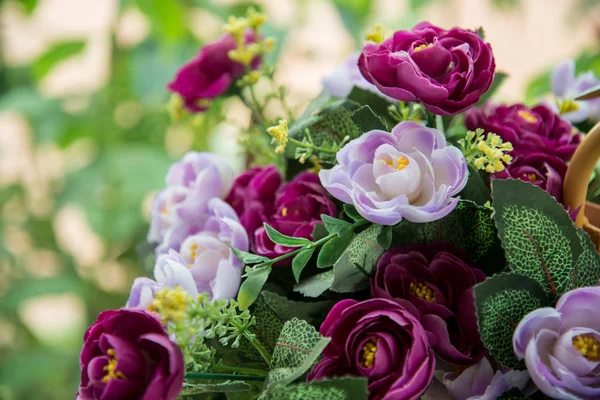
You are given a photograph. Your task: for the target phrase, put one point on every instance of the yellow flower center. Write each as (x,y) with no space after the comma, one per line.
(532,177)
(111,368)
(566,106)
(171,304)
(193,249)
(422,291)
(376,34)
(368,353)
(527,116)
(402,163)
(588,346)
(423,47)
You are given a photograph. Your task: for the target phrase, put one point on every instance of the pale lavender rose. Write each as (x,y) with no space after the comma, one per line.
(478,382)
(170,271)
(566,87)
(213,265)
(410,173)
(561,346)
(180,209)
(346,76)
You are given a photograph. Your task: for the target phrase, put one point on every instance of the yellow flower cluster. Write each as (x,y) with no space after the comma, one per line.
(376,34)
(487,153)
(280,135)
(245,53)
(171,304)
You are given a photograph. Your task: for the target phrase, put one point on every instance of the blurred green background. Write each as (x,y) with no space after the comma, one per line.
(85,139)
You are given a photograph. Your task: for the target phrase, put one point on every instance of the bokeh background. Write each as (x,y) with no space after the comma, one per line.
(85,139)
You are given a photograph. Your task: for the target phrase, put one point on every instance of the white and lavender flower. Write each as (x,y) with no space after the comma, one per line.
(566,86)
(180,209)
(346,76)
(410,173)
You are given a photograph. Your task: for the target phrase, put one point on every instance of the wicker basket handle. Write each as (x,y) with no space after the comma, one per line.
(576,183)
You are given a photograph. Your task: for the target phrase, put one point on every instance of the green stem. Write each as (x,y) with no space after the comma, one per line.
(224,377)
(252,339)
(439,124)
(259,108)
(241,370)
(312,146)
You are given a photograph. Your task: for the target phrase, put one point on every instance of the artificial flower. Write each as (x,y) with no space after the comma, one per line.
(410,173)
(180,209)
(561,346)
(543,170)
(381,340)
(445,70)
(529,130)
(566,87)
(437,279)
(127,355)
(209,74)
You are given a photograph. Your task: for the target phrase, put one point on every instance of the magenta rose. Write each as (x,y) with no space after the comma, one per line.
(381,340)
(127,355)
(435,281)
(530,130)
(293,208)
(543,170)
(445,70)
(209,74)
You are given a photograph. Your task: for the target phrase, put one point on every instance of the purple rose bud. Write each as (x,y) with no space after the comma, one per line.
(378,339)
(445,70)
(545,171)
(180,209)
(209,74)
(566,87)
(530,130)
(561,346)
(127,355)
(341,81)
(437,279)
(170,271)
(410,173)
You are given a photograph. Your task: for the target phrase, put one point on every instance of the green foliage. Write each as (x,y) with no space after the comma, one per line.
(284,240)
(499,79)
(354,14)
(469,227)
(333,249)
(502,301)
(351,212)
(540,240)
(316,285)
(336,226)
(300,261)
(376,103)
(252,285)
(366,120)
(53,56)
(167,18)
(477,189)
(347,388)
(298,347)
(190,388)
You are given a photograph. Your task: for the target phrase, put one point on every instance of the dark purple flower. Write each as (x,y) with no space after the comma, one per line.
(436,279)
(530,130)
(561,346)
(543,170)
(445,70)
(209,74)
(293,208)
(127,355)
(381,340)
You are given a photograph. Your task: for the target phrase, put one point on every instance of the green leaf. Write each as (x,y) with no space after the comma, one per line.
(29,5)
(333,249)
(252,285)
(481,33)
(346,388)
(499,78)
(469,227)
(352,270)
(587,267)
(538,87)
(298,347)
(190,388)
(367,120)
(53,56)
(502,301)
(476,190)
(336,226)
(351,212)
(319,232)
(385,237)
(354,15)
(538,236)
(315,105)
(285,240)
(249,258)
(300,261)
(316,285)
(312,312)
(378,104)
(167,17)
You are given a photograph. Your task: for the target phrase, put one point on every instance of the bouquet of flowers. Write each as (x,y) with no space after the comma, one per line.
(403,238)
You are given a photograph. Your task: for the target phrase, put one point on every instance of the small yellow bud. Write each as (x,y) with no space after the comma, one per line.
(175,107)
(376,34)
(255,18)
(243,55)
(171,303)
(269,44)
(236,27)
(251,77)
(280,134)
